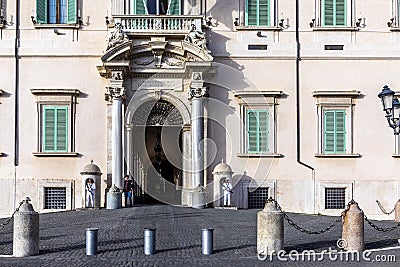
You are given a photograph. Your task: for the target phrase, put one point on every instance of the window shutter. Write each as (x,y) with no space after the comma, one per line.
(174,7)
(41,11)
(340,13)
(263,14)
(62,128)
(340,123)
(71,10)
(48,129)
(329,131)
(140,8)
(263,131)
(252,128)
(251,12)
(328,12)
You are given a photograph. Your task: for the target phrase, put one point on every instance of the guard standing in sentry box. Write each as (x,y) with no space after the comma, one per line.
(227,186)
(90,193)
(128,190)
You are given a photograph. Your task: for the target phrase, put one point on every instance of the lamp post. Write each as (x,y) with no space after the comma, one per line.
(391,106)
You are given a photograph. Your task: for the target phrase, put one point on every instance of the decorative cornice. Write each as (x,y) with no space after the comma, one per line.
(352,93)
(56,91)
(244,94)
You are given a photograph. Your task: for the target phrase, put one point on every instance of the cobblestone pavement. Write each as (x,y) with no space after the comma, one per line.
(120,243)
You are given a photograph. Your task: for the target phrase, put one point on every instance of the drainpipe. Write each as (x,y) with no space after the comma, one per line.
(298,129)
(16,96)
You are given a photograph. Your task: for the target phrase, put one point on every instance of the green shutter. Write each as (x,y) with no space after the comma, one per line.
(335,131)
(55,129)
(340,13)
(140,8)
(257,12)
(257,131)
(174,7)
(72,9)
(252,133)
(49,129)
(334,12)
(41,11)
(62,129)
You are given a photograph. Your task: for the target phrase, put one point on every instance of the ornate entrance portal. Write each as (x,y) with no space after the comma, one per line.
(158,151)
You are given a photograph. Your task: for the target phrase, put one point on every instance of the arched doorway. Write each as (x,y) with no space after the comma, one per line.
(157,127)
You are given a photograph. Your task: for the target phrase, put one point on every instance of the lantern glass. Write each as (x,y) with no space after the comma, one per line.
(387,98)
(396,109)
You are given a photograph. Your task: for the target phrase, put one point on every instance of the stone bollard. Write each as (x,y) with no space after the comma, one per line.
(353,229)
(397,212)
(199,198)
(114,198)
(26,231)
(269,229)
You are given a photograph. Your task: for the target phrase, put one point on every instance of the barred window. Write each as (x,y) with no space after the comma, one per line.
(55,197)
(257,198)
(335,198)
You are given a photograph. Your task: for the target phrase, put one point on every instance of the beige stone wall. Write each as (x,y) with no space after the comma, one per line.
(369,60)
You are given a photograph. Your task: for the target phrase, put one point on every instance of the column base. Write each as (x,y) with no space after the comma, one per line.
(114,200)
(199,198)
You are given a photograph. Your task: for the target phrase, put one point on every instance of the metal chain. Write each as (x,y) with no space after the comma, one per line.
(383,210)
(380,229)
(299,228)
(2,225)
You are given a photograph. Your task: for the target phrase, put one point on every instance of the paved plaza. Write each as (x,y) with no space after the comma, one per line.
(62,239)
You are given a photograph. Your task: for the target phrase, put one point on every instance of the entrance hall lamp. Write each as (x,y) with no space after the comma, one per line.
(391,106)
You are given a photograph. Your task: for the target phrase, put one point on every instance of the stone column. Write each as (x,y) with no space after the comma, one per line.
(116,94)
(186,165)
(196,94)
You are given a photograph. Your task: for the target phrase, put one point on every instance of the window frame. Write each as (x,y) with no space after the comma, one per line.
(258,101)
(56,130)
(130,8)
(56,98)
(43,14)
(273,17)
(319,17)
(321,189)
(335,101)
(67,184)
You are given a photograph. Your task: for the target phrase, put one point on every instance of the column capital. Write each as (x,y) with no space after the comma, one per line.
(114,93)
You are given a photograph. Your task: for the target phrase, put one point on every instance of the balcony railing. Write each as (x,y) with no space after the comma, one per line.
(157,24)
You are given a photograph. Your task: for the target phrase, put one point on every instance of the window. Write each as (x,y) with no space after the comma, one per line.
(334,13)
(257,131)
(335,131)
(335,111)
(335,198)
(56,120)
(56,11)
(3,13)
(258,123)
(258,198)
(148,7)
(55,129)
(55,198)
(257,13)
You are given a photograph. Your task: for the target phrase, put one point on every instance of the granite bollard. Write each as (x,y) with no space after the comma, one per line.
(353,229)
(269,229)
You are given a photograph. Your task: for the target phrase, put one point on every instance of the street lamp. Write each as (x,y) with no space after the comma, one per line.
(391,106)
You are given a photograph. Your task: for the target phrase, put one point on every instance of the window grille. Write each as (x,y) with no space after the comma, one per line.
(257,198)
(335,198)
(55,197)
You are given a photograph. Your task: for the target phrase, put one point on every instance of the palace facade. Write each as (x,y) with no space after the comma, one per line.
(285,92)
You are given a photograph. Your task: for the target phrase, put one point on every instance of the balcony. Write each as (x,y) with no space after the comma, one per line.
(158,25)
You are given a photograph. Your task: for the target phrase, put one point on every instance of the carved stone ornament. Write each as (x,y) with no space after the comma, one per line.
(114,93)
(197,92)
(198,38)
(118,36)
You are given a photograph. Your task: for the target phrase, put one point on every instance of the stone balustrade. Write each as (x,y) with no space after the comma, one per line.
(153,23)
